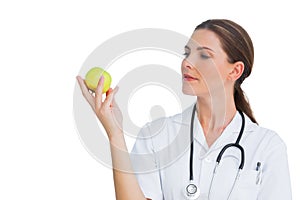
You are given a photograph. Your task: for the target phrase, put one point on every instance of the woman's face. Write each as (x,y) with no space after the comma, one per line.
(205,69)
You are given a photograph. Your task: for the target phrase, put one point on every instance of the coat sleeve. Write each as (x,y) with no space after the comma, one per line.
(275,183)
(145,165)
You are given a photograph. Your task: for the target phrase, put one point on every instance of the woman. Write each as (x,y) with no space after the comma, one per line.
(179,161)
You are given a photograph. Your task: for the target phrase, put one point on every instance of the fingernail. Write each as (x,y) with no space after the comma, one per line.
(78,78)
(101,78)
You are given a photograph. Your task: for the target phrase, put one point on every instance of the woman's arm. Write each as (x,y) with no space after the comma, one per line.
(107,111)
(126,184)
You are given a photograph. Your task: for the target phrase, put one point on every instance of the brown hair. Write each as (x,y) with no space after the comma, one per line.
(238,46)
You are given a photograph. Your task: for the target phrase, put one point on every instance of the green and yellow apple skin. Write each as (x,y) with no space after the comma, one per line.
(92,78)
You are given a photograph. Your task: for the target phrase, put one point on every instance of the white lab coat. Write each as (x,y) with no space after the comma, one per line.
(161,157)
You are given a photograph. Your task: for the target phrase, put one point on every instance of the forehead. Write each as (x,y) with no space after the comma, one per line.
(204,38)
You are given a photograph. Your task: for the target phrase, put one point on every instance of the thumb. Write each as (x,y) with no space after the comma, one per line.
(109,101)
(109,91)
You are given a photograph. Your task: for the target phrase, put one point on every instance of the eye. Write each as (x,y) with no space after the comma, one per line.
(204,56)
(186,54)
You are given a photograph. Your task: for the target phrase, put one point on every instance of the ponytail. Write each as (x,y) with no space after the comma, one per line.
(242,103)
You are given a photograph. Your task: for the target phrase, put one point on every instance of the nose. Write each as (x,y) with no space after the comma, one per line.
(186,64)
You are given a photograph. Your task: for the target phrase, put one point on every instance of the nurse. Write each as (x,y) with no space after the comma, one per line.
(175,157)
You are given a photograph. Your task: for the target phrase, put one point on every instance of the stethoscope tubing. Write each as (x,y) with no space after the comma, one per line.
(219,157)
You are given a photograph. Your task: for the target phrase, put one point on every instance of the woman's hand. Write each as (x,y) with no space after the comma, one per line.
(107,111)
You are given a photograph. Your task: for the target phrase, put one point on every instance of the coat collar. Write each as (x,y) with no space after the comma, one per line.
(229,134)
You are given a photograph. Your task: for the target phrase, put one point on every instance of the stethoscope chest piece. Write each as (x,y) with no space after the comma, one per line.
(192,191)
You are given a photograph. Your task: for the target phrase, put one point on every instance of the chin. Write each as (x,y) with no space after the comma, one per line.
(189,91)
(192,92)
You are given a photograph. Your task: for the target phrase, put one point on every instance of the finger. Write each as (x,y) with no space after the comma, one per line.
(114,104)
(98,93)
(85,92)
(113,100)
(109,99)
(108,91)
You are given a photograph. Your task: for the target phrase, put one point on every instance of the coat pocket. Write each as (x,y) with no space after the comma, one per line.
(247,186)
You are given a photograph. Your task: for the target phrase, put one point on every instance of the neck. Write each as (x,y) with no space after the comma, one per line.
(215,113)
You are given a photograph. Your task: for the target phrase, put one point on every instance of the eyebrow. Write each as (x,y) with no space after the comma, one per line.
(198,48)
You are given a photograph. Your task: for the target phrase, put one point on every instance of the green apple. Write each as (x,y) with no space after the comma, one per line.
(92,78)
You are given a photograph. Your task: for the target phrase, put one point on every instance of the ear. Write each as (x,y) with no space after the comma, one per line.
(237,70)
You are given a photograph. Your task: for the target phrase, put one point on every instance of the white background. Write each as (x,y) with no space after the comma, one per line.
(43,45)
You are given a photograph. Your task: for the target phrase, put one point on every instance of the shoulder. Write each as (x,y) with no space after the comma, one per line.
(163,131)
(263,139)
(161,124)
(268,135)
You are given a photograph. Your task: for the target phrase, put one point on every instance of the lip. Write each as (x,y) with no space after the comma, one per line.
(188,77)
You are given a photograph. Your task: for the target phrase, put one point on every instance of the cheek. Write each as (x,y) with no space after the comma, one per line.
(210,71)
(214,75)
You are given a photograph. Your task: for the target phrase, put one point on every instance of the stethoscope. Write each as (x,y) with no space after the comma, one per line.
(191,190)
